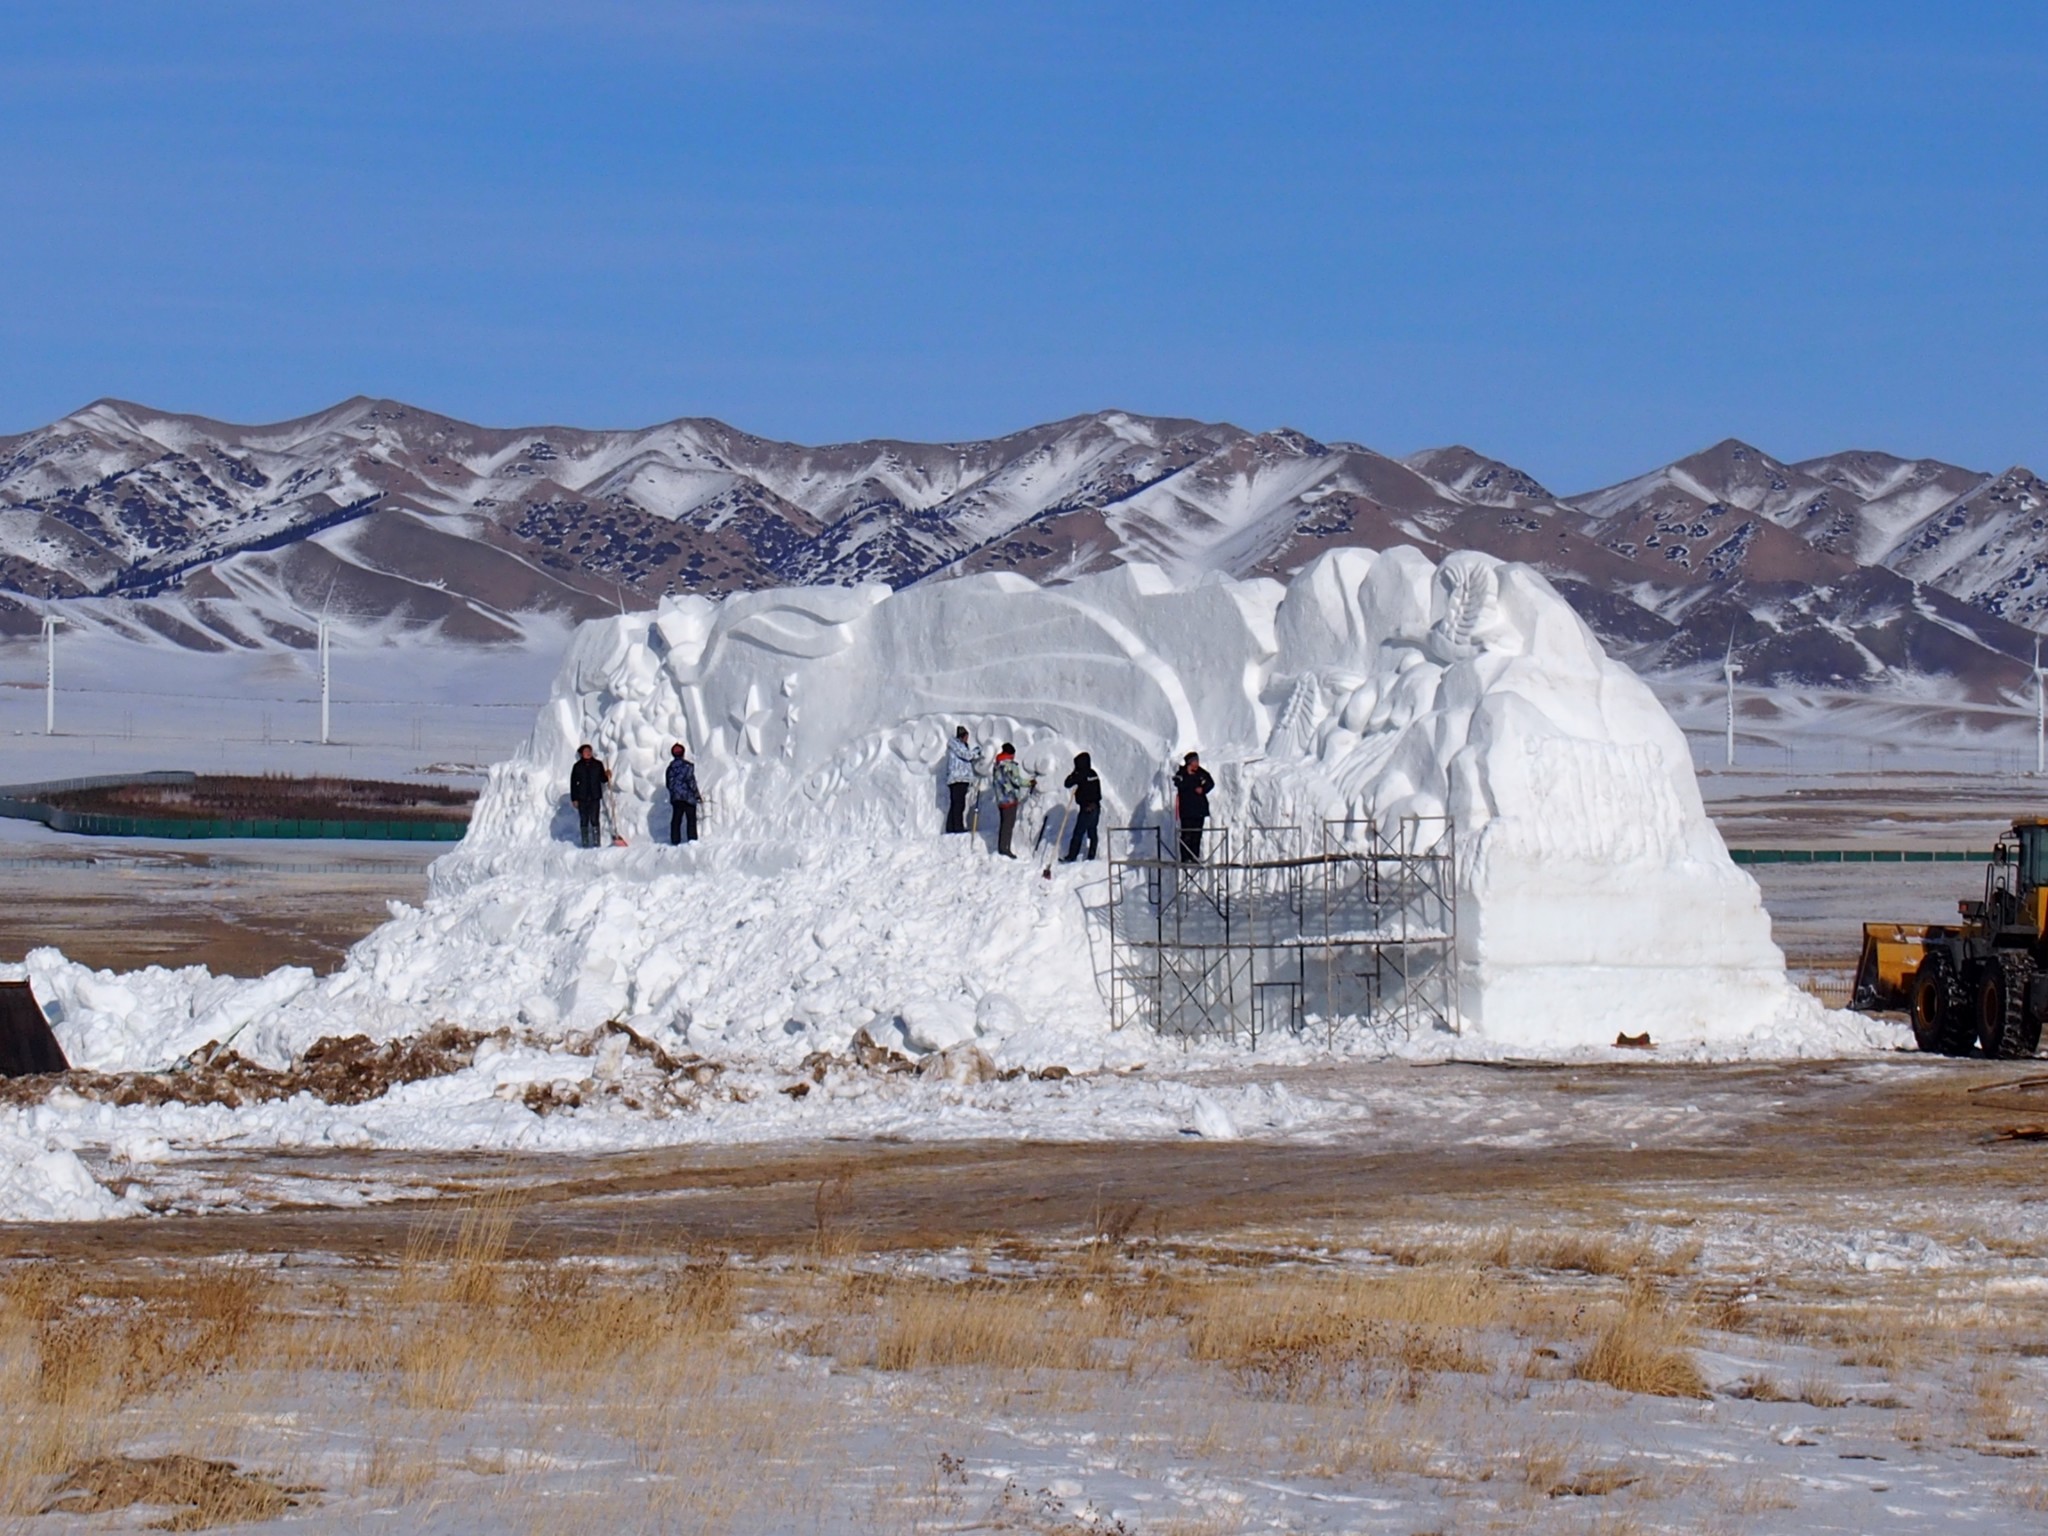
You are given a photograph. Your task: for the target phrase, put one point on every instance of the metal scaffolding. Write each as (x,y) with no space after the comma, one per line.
(1353,929)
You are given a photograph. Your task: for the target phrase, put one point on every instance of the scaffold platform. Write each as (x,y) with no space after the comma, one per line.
(1336,929)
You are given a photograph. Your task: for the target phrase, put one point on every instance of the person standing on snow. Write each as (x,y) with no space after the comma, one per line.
(1086,784)
(682,797)
(1191,789)
(963,766)
(1012,784)
(586,789)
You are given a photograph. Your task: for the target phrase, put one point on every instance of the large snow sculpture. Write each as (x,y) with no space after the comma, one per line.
(1594,895)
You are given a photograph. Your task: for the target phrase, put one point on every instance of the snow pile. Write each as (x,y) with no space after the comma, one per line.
(140,1020)
(43,1179)
(1594,894)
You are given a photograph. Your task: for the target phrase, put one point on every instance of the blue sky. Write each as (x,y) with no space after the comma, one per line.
(1587,238)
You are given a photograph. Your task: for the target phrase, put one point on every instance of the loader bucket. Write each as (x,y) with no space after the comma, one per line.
(26,1045)
(1884,972)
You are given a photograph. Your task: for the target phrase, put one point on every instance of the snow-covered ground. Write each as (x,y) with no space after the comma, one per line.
(1366,1344)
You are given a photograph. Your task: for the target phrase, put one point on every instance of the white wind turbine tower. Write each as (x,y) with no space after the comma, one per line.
(49,674)
(326,674)
(2040,715)
(325,683)
(1728,676)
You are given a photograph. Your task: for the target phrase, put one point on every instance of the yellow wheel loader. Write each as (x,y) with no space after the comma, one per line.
(1982,982)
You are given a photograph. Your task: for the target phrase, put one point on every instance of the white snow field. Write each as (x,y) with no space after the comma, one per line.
(1594,895)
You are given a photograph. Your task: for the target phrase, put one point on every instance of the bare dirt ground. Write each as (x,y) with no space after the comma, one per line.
(1871,810)
(239,912)
(1804,1137)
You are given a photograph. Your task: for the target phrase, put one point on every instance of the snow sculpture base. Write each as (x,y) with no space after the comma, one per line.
(1594,896)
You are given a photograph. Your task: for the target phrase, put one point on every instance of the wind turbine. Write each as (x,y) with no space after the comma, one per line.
(1728,676)
(2040,715)
(325,648)
(49,674)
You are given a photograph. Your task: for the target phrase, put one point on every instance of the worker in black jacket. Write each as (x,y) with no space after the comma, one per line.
(1086,784)
(1192,787)
(586,788)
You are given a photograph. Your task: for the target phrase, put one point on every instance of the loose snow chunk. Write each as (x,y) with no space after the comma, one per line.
(44,1182)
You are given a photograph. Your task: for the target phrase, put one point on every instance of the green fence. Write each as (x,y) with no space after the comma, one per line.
(1855,856)
(92,824)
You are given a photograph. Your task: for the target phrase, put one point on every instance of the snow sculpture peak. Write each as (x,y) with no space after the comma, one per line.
(1594,895)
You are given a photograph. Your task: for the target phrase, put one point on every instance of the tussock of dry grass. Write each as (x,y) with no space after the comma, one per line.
(1994,1414)
(998,1327)
(1310,1333)
(1557,1251)
(1593,1483)
(1643,1350)
(73,1355)
(204,1494)
(104,1351)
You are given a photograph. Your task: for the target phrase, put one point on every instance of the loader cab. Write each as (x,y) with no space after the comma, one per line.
(2016,880)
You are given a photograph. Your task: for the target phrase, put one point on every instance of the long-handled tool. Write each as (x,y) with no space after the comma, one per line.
(611,816)
(1052,850)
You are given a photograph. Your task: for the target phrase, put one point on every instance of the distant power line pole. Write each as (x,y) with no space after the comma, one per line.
(325,680)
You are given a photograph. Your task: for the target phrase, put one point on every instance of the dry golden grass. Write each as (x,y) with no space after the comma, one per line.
(704,1381)
(1993,1413)
(1763,1388)
(203,1494)
(75,1351)
(460,1261)
(1761,1496)
(1565,1250)
(1593,1482)
(1642,1349)
(1816,1391)
(1305,1334)
(1002,1328)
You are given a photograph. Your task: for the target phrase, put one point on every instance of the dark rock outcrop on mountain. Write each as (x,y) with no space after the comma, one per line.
(1858,569)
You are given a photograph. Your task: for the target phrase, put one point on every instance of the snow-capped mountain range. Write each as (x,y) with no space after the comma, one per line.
(1857,569)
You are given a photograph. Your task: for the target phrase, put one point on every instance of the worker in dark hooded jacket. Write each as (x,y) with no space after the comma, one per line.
(587,781)
(1192,787)
(682,797)
(1086,784)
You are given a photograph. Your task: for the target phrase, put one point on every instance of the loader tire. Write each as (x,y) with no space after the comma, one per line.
(1941,1015)
(2002,1023)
